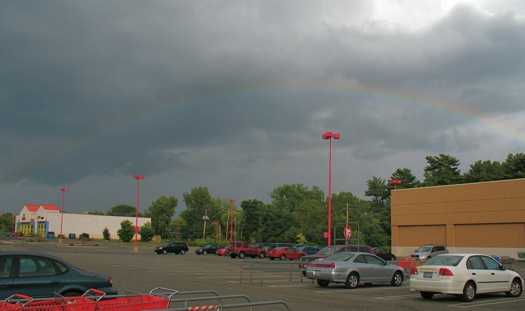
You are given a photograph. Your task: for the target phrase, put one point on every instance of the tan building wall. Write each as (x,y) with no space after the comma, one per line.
(486,217)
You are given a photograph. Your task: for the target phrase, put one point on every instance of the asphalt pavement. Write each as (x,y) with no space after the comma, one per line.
(243,280)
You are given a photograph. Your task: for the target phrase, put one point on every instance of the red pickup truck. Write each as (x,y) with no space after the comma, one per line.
(243,249)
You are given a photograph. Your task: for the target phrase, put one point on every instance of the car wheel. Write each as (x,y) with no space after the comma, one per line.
(204,252)
(182,252)
(282,257)
(323,283)
(164,252)
(469,292)
(426,295)
(352,280)
(262,255)
(516,289)
(397,279)
(241,255)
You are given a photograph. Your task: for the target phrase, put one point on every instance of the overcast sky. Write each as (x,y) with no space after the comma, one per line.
(234,95)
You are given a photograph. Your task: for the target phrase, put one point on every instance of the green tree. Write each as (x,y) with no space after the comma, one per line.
(252,210)
(514,166)
(126,231)
(161,212)
(197,202)
(146,232)
(106,234)
(442,170)
(6,222)
(484,171)
(122,210)
(408,180)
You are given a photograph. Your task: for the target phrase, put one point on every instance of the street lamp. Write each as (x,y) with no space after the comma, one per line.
(395,182)
(62,216)
(138,178)
(329,136)
(231,220)
(205,218)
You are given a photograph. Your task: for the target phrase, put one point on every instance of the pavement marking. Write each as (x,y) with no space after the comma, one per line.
(397,297)
(481,304)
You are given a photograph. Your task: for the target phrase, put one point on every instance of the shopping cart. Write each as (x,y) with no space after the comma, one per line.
(157,299)
(59,303)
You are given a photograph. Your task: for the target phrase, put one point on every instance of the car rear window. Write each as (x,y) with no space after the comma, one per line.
(343,256)
(444,260)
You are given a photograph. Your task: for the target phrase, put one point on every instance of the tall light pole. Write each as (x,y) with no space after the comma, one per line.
(329,136)
(205,218)
(136,248)
(62,216)
(231,220)
(395,182)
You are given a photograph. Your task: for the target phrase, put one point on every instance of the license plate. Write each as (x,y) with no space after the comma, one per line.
(427,275)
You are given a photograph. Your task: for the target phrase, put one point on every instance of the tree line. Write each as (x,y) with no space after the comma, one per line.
(298,214)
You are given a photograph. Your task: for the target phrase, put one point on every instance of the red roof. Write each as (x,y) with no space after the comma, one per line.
(32,207)
(50,207)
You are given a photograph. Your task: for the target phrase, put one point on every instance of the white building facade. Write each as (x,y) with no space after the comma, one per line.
(47,221)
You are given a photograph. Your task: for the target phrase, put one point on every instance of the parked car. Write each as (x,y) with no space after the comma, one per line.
(177,247)
(221,251)
(242,249)
(428,251)
(329,250)
(283,253)
(39,275)
(384,254)
(354,269)
(465,275)
(275,245)
(309,250)
(208,249)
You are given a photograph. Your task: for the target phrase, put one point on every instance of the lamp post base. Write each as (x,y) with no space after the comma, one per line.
(60,240)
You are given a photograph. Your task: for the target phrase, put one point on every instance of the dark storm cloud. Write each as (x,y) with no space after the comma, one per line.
(105,89)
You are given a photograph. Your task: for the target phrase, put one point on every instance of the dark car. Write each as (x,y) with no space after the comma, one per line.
(176,247)
(309,250)
(208,249)
(40,275)
(384,254)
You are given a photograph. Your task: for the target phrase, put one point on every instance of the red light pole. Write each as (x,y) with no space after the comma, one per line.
(62,216)
(138,178)
(395,182)
(329,136)
(231,220)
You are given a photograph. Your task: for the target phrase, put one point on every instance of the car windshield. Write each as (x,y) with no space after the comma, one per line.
(444,260)
(424,249)
(340,256)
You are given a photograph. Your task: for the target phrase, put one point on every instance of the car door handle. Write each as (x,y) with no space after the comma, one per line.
(493,273)
(473,273)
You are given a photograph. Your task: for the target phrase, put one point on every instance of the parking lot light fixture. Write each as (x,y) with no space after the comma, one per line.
(136,248)
(62,214)
(329,136)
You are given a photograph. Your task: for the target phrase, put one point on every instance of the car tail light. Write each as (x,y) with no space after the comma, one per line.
(110,281)
(322,265)
(445,272)
(413,271)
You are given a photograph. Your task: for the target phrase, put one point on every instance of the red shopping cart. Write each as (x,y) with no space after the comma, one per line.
(158,299)
(59,303)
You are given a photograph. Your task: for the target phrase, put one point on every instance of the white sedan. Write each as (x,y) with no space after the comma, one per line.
(464,275)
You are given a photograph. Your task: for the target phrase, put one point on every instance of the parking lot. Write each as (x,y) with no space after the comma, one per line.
(146,270)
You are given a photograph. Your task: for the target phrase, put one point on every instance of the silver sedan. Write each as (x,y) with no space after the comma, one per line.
(354,269)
